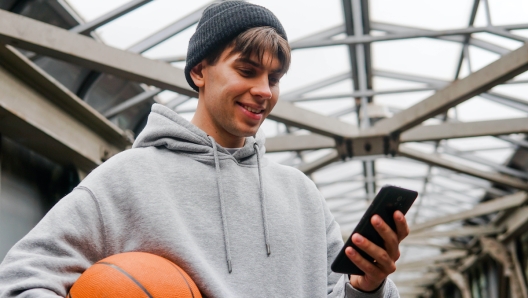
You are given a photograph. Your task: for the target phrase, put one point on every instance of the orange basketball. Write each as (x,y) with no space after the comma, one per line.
(134,274)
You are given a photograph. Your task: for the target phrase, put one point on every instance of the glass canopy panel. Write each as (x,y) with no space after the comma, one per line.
(174,47)
(433,15)
(344,87)
(309,66)
(478,109)
(507,43)
(429,58)
(507,12)
(311,16)
(145,21)
(90,10)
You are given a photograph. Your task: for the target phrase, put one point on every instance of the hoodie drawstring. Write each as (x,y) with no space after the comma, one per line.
(262,201)
(222,206)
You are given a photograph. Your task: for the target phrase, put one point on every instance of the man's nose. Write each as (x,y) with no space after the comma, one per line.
(261,89)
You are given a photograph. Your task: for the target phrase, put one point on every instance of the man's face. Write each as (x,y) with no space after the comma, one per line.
(237,94)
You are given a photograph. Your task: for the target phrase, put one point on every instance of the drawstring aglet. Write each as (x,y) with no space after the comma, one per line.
(268,249)
(229,268)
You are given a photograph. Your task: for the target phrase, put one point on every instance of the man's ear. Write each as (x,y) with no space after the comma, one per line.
(197,74)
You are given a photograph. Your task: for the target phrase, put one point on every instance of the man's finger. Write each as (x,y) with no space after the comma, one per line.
(389,237)
(401,225)
(365,266)
(384,261)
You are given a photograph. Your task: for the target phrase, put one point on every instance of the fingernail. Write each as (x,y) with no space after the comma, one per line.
(399,216)
(351,251)
(359,238)
(377,221)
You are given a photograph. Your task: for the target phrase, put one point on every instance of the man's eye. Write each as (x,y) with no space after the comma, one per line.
(246,72)
(273,81)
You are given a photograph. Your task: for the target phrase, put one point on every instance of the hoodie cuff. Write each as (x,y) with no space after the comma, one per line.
(386,289)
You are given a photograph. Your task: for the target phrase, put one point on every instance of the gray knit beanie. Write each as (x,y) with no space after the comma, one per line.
(220,24)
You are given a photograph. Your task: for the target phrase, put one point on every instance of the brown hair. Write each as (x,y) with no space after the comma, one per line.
(256,41)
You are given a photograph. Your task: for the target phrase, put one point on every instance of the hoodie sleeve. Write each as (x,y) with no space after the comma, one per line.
(339,284)
(50,258)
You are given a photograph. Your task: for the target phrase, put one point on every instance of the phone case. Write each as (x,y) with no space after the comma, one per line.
(387,201)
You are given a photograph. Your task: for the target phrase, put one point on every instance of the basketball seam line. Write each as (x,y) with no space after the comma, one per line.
(94,198)
(184,279)
(128,275)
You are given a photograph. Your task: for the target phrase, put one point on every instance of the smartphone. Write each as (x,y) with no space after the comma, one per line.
(387,201)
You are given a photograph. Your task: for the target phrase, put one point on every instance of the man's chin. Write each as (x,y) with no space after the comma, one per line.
(244,133)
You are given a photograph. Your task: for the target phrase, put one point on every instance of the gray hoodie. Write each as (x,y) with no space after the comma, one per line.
(239,225)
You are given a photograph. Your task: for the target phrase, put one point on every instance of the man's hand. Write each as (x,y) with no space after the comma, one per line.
(376,273)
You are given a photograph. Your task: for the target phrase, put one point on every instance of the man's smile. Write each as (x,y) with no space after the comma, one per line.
(255,109)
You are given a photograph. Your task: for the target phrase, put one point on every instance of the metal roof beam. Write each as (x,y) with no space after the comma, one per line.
(39,80)
(81,50)
(436,160)
(365,93)
(504,33)
(132,102)
(504,203)
(315,86)
(309,168)
(167,32)
(459,232)
(478,82)
(467,38)
(508,101)
(298,142)
(353,40)
(31,119)
(424,280)
(322,35)
(514,224)
(58,43)
(289,114)
(486,162)
(430,261)
(392,28)
(412,78)
(516,142)
(86,28)
(423,133)
(472,181)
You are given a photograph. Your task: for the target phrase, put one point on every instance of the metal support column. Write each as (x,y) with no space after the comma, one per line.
(501,254)
(357,24)
(459,280)
(512,249)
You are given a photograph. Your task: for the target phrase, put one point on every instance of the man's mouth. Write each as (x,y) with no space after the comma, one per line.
(252,110)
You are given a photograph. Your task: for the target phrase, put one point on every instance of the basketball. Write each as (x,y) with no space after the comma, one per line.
(134,274)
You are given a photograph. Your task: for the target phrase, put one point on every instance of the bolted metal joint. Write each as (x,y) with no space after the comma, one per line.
(366,146)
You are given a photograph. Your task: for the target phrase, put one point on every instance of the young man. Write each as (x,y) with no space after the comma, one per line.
(202,194)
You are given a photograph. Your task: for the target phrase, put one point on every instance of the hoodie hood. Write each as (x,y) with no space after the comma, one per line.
(165,128)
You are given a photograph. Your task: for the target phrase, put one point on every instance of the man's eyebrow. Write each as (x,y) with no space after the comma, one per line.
(256,64)
(249,61)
